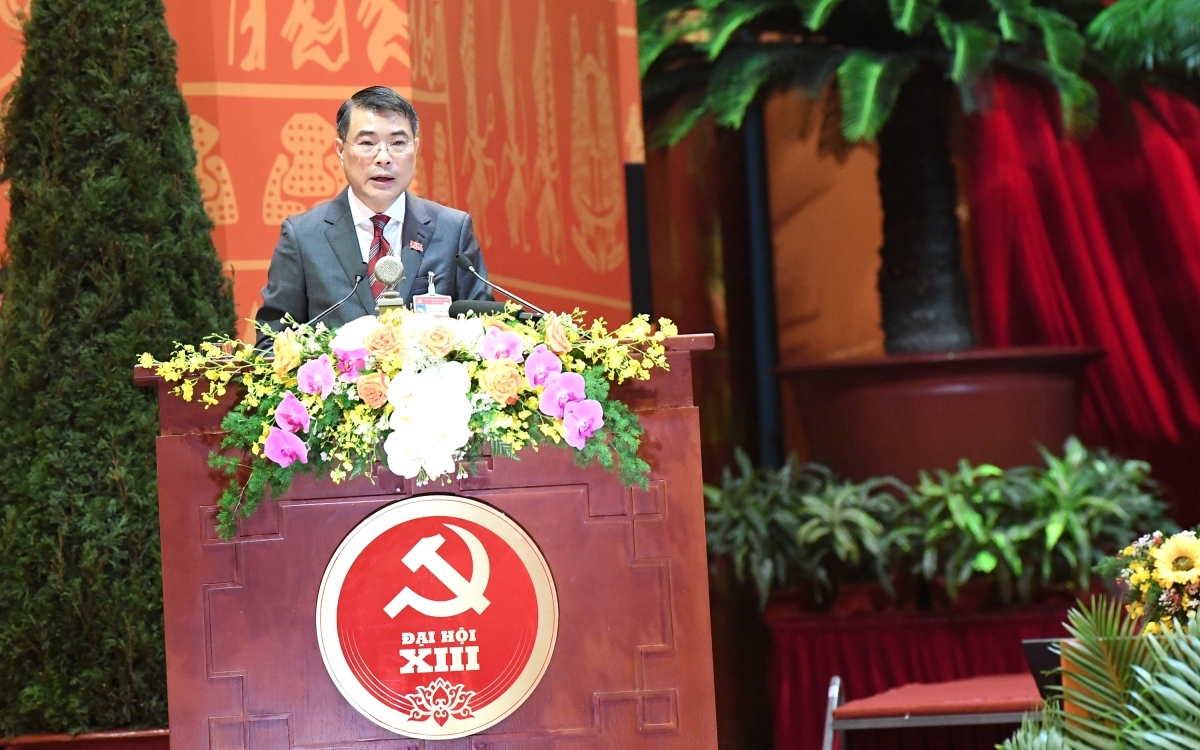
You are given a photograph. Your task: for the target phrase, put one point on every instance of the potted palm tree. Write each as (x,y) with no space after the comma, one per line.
(901,67)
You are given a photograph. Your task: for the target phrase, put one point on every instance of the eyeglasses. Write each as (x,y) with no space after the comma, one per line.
(395,148)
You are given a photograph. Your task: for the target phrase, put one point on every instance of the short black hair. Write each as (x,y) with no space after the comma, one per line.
(376,99)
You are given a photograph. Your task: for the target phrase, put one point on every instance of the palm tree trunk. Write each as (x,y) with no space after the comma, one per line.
(921,283)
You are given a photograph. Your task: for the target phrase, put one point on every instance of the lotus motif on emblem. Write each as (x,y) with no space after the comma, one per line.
(440,700)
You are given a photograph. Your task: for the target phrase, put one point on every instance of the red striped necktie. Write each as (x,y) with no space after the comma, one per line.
(379,248)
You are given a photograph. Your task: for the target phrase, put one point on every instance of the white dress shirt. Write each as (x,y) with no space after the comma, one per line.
(366,230)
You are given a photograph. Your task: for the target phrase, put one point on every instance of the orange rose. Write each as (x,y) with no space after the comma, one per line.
(287,353)
(383,341)
(501,380)
(439,339)
(373,389)
(556,336)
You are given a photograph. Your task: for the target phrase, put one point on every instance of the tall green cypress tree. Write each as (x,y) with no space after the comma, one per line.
(110,255)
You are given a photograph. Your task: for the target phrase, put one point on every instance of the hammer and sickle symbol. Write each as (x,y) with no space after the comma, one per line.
(467,594)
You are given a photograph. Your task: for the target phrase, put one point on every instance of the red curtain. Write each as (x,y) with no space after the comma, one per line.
(1097,241)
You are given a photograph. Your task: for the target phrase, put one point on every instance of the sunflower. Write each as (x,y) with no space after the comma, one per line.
(1178,560)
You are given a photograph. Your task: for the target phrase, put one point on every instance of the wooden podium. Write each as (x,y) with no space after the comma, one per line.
(632,666)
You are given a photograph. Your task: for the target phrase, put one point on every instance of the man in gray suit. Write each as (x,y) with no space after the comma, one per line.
(322,251)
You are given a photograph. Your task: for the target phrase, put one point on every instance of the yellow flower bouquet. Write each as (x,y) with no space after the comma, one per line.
(420,393)
(1162,578)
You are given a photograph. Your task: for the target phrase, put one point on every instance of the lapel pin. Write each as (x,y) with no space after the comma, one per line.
(416,246)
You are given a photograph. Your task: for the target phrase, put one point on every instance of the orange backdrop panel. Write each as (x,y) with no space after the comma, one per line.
(520,106)
(528,109)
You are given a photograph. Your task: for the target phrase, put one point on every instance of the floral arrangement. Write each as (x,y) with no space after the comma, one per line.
(425,394)
(1162,575)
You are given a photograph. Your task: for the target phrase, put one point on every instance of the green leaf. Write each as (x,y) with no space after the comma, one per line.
(869,87)
(739,75)
(1054,528)
(974,49)
(815,13)
(1013,29)
(985,562)
(1065,46)
(910,16)
(733,17)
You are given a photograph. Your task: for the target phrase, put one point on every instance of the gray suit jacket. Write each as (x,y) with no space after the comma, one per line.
(318,256)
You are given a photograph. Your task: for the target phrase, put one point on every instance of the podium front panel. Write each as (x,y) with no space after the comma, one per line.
(632,666)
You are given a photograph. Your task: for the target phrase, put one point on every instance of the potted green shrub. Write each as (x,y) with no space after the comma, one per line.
(800,528)
(1031,532)
(901,67)
(1035,532)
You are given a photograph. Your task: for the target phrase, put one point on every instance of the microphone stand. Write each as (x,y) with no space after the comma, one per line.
(357,280)
(465,264)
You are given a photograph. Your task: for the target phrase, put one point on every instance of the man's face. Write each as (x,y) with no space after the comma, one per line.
(378,175)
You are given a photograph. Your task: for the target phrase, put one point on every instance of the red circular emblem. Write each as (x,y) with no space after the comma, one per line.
(437,617)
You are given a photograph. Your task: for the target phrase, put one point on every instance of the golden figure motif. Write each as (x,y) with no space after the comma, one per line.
(549,212)
(481,183)
(311,39)
(216,186)
(431,70)
(313,171)
(254,22)
(596,193)
(12,11)
(513,160)
(441,189)
(389,32)
(430,77)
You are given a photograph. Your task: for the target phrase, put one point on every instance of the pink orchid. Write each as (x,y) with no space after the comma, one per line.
(542,365)
(581,419)
(560,390)
(350,363)
(284,448)
(291,415)
(499,344)
(316,376)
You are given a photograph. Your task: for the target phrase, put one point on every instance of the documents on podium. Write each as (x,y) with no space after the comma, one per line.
(530,604)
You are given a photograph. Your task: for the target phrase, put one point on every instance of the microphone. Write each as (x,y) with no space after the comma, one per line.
(485,307)
(465,264)
(357,280)
(389,270)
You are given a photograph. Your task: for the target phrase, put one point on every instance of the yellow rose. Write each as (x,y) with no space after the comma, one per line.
(287,353)
(439,339)
(556,336)
(383,341)
(373,389)
(501,380)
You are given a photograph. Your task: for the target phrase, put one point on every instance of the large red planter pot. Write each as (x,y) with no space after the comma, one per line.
(899,414)
(142,739)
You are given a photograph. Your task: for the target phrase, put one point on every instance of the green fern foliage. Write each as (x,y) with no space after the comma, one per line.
(816,13)
(1102,662)
(911,16)
(1153,37)
(1166,702)
(974,49)
(869,86)
(1042,733)
(701,57)
(1137,693)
